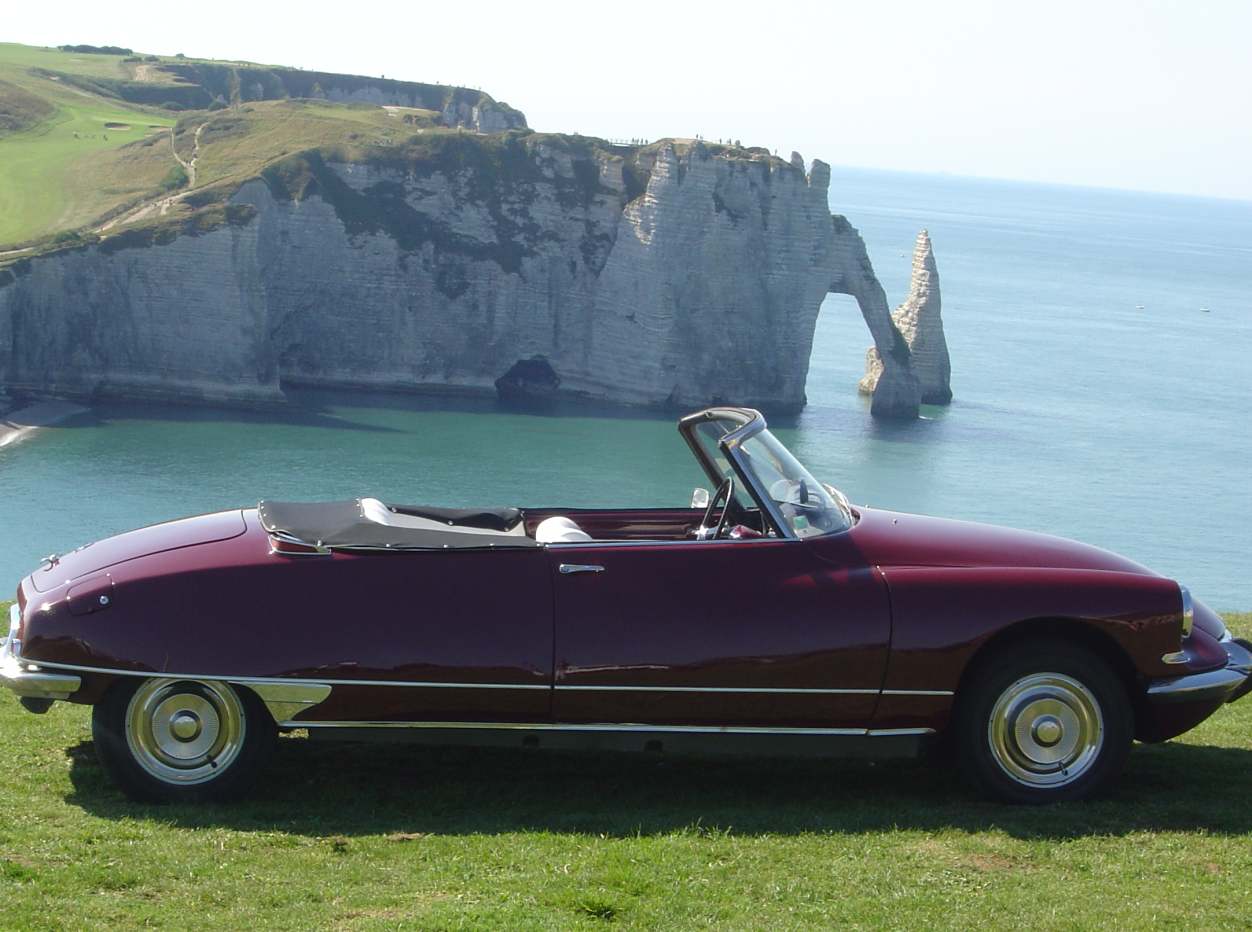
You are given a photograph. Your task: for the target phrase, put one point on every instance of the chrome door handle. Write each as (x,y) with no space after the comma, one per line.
(567,568)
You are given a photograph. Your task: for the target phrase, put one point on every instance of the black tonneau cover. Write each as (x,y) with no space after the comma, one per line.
(344,525)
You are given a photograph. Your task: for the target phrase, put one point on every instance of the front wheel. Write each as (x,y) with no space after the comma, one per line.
(1044,721)
(171,740)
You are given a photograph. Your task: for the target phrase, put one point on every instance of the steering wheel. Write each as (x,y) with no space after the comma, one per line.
(724,491)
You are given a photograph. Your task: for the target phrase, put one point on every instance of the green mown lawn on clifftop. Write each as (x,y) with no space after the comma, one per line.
(50,180)
(379,837)
(72,169)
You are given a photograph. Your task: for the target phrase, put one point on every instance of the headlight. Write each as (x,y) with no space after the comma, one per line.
(1188,612)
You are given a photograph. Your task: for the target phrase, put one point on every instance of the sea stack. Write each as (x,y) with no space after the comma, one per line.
(921,326)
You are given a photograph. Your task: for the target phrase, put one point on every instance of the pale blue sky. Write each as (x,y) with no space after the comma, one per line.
(1150,95)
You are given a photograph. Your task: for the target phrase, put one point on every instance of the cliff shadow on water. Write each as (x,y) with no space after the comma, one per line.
(322,401)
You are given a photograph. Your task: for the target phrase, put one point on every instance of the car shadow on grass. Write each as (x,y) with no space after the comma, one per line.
(318,790)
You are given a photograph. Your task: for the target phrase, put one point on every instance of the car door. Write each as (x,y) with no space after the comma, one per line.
(750,633)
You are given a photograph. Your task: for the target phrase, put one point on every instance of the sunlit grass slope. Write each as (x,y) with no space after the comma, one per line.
(68,168)
(75,155)
(378,837)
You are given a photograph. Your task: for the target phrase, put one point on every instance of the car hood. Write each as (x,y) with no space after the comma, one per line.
(886,538)
(172,535)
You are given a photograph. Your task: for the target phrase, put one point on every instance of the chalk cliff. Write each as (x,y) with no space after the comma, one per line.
(673,275)
(919,322)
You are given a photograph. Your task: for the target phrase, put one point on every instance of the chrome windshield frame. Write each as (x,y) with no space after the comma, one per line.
(751,422)
(747,423)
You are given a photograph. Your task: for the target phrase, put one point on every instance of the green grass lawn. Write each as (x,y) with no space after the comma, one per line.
(70,169)
(236,145)
(52,179)
(73,168)
(15,57)
(394,837)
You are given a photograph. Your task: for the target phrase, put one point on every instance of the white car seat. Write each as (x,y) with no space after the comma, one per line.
(560,530)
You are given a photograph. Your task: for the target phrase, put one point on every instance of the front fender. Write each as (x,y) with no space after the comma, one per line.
(943,616)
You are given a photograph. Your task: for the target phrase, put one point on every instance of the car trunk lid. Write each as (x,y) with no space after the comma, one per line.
(172,535)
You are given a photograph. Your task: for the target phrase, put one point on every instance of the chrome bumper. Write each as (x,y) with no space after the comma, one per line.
(1229,683)
(26,679)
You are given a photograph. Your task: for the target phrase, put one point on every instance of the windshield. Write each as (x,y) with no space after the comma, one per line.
(803,503)
(801,500)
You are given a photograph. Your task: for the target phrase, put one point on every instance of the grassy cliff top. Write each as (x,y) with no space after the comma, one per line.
(85,138)
(137,149)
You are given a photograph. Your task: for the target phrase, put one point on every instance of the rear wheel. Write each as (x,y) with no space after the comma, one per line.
(171,740)
(1044,721)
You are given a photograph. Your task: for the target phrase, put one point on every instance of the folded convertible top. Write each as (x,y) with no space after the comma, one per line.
(366,524)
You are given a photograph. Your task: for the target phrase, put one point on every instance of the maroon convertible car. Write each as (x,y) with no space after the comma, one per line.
(770,617)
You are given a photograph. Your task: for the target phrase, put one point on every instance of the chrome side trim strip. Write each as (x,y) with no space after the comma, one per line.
(608,726)
(918,692)
(251,680)
(719,689)
(254,681)
(899,732)
(605,726)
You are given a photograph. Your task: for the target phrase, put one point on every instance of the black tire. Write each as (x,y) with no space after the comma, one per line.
(172,740)
(1043,721)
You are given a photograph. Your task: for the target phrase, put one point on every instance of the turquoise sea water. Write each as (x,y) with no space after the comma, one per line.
(1076,412)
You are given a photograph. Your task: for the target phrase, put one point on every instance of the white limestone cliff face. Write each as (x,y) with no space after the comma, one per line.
(897,392)
(480,118)
(184,323)
(703,289)
(919,322)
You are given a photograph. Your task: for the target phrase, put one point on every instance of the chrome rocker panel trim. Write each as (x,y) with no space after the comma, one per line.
(688,739)
(718,689)
(632,727)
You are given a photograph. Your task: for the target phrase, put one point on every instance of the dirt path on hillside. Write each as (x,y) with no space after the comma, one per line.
(162,205)
(195,152)
(159,205)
